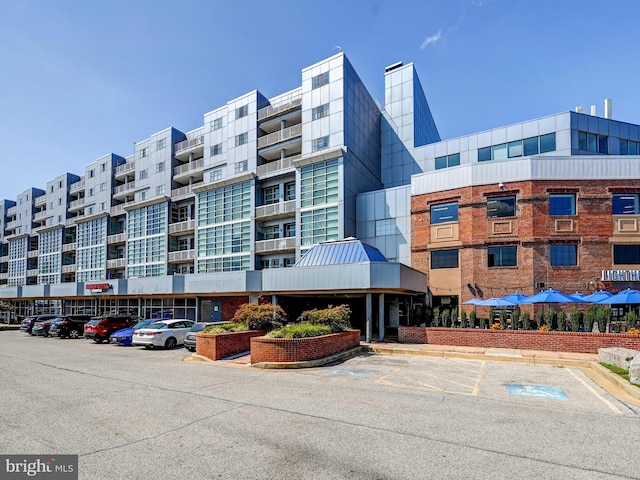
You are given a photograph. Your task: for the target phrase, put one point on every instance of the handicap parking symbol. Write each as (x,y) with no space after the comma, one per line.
(552,393)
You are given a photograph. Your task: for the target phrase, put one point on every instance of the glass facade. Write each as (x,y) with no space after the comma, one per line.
(50,256)
(91,256)
(146,241)
(445,212)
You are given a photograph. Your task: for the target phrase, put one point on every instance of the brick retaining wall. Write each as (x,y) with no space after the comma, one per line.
(221,345)
(578,342)
(302,349)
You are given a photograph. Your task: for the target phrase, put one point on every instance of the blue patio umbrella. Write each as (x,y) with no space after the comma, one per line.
(495,302)
(515,297)
(625,297)
(473,301)
(597,296)
(551,296)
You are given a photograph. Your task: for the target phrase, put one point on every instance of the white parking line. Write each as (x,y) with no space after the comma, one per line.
(597,395)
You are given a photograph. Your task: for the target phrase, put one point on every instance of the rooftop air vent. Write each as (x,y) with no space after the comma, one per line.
(393,67)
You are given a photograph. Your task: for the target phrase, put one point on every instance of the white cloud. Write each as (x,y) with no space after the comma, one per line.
(431,39)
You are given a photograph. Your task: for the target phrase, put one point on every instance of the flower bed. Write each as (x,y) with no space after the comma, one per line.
(579,342)
(221,345)
(302,349)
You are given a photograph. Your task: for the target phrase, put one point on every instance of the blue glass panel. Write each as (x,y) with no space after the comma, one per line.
(446,212)
(547,143)
(530,146)
(564,255)
(444,259)
(562,204)
(625,204)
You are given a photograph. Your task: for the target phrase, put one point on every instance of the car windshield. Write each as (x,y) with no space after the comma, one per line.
(157,325)
(198,327)
(144,324)
(94,322)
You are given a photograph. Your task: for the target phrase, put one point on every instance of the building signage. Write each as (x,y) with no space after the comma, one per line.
(97,287)
(621,275)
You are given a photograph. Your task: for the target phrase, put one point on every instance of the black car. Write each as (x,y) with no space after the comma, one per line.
(69,326)
(190,338)
(27,324)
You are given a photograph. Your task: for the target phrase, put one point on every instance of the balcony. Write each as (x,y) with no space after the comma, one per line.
(280,136)
(12,211)
(276,210)
(69,268)
(70,247)
(118,209)
(40,216)
(124,189)
(188,167)
(187,226)
(117,263)
(32,254)
(125,169)
(76,204)
(193,143)
(12,225)
(32,272)
(276,245)
(117,238)
(277,165)
(4,259)
(41,200)
(294,101)
(76,187)
(181,256)
(184,192)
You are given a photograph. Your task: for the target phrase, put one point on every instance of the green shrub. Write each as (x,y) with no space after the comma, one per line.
(631,319)
(526,321)
(472,319)
(539,320)
(502,315)
(445,317)
(575,320)
(562,321)
(260,317)
(515,318)
(435,322)
(590,318)
(226,328)
(603,317)
(338,319)
(549,317)
(464,321)
(454,317)
(300,330)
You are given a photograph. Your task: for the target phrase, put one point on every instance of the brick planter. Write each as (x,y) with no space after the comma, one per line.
(221,345)
(302,349)
(579,342)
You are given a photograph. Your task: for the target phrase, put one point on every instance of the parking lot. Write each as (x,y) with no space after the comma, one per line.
(135,413)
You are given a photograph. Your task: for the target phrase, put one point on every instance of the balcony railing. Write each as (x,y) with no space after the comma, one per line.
(117,263)
(181,256)
(76,203)
(70,247)
(12,225)
(117,238)
(76,186)
(125,167)
(276,165)
(282,106)
(69,268)
(280,136)
(276,245)
(12,211)
(124,187)
(4,259)
(32,272)
(187,167)
(181,227)
(189,143)
(40,216)
(41,200)
(283,209)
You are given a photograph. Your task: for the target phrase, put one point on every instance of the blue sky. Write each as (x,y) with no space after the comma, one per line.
(82,79)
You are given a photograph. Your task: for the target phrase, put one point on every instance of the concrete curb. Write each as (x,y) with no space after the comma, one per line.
(311,363)
(604,373)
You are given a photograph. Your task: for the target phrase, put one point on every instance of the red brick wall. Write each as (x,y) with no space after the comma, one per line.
(302,349)
(578,342)
(533,230)
(221,345)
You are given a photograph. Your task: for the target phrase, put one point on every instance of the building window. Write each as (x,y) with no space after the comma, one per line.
(216,124)
(242,139)
(562,204)
(627,147)
(215,175)
(242,111)
(215,150)
(514,149)
(625,204)
(386,227)
(499,152)
(564,255)
(547,143)
(289,230)
(289,262)
(319,143)
(590,142)
(530,146)
(290,191)
(160,144)
(626,254)
(320,112)
(271,232)
(90,192)
(444,259)
(241,166)
(448,161)
(320,80)
(92,173)
(319,225)
(104,169)
(143,174)
(444,212)
(160,190)
(159,167)
(103,206)
(498,207)
(526,147)
(103,186)
(484,154)
(502,256)
(144,152)
(271,195)
(319,184)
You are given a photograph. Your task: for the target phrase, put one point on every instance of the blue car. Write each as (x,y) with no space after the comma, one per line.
(124,336)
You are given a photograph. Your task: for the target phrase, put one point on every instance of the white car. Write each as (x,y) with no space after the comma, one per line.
(163,333)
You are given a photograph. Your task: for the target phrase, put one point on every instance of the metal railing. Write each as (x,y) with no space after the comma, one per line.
(280,136)
(69,247)
(76,203)
(124,187)
(40,216)
(188,167)
(186,226)
(41,200)
(125,167)
(181,256)
(189,143)
(117,263)
(276,165)
(76,186)
(282,106)
(276,209)
(276,245)
(117,238)
(69,268)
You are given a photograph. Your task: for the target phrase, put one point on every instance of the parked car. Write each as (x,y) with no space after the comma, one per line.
(190,338)
(69,326)
(100,329)
(27,324)
(41,327)
(163,333)
(125,336)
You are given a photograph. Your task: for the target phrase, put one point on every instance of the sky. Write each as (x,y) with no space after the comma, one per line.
(83,79)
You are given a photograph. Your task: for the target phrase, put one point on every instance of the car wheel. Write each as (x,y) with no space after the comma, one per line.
(191,349)
(97,340)
(46,335)
(149,347)
(170,343)
(74,334)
